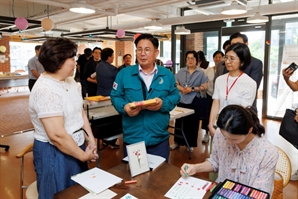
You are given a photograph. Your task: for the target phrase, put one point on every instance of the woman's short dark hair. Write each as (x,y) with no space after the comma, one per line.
(54,52)
(218,52)
(106,53)
(150,37)
(195,54)
(243,53)
(238,120)
(201,55)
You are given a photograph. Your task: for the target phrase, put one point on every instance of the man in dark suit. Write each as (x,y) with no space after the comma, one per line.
(254,70)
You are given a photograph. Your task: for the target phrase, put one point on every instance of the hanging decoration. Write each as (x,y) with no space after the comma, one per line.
(136,36)
(47,24)
(120,33)
(21,23)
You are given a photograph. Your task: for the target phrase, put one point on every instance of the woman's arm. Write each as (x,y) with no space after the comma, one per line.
(213,115)
(287,74)
(54,127)
(191,169)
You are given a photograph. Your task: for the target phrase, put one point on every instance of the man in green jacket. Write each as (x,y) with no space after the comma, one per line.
(144,81)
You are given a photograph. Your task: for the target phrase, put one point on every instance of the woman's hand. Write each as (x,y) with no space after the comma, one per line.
(211,129)
(188,169)
(287,73)
(91,153)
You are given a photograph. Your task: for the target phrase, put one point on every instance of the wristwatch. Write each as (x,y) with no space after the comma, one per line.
(193,89)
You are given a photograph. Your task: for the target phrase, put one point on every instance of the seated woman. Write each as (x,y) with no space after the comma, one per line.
(240,151)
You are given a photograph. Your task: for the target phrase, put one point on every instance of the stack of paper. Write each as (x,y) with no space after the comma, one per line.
(96,180)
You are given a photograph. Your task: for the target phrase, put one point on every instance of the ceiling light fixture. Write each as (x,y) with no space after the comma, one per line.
(233,9)
(153,25)
(257,18)
(82,7)
(182,31)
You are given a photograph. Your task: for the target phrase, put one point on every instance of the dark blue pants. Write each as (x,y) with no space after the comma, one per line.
(162,149)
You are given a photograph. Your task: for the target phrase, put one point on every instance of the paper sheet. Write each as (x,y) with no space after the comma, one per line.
(189,187)
(153,160)
(107,194)
(96,180)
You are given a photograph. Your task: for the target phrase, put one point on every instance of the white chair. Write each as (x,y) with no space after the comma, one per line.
(31,192)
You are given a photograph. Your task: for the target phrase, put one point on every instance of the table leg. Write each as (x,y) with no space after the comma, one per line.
(186,142)
(98,152)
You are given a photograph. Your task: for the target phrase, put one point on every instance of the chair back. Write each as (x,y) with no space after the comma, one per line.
(31,189)
(283,166)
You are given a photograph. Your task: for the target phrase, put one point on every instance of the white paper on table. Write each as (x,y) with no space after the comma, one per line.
(189,187)
(106,194)
(176,112)
(153,160)
(128,196)
(96,180)
(137,156)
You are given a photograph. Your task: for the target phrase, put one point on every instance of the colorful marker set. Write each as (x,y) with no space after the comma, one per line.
(234,190)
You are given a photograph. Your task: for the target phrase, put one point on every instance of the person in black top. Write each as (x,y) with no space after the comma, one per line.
(83,59)
(106,75)
(90,68)
(126,60)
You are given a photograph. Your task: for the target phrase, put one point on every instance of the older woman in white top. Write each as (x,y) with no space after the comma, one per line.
(235,87)
(63,140)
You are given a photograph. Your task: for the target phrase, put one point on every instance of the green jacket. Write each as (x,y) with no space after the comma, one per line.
(148,126)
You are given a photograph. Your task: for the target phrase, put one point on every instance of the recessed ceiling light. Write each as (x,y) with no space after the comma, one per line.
(233,9)
(82,7)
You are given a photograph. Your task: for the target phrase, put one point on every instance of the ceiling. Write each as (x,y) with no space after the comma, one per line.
(130,15)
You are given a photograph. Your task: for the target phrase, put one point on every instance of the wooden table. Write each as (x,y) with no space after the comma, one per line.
(152,184)
(103,116)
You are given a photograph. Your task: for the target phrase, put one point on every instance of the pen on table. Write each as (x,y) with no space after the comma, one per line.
(130,181)
(186,174)
(205,185)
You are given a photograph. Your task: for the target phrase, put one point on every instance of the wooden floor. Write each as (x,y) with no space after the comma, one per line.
(10,165)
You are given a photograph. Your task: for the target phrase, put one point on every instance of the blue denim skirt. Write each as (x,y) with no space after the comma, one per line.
(54,169)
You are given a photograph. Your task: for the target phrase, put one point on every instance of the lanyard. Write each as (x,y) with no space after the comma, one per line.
(228,89)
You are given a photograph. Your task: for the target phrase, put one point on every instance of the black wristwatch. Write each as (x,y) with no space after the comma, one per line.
(192,88)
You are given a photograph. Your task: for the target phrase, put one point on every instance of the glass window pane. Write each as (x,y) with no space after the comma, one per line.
(283,51)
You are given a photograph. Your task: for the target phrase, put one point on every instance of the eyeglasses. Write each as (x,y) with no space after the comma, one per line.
(226,58)
(146,50)
(190,58)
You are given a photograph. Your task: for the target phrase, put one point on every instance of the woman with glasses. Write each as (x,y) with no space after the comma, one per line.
(210,72)
(192,84)
(240,151)
(235,87)
(63,140)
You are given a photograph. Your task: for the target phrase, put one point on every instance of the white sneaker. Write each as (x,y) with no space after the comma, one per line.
(174,146)
(190,149)
(294,176)
(205,138)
